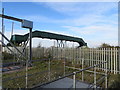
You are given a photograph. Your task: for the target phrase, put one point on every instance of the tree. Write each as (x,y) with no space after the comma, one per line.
(39,45)
(7,56)
(105,45)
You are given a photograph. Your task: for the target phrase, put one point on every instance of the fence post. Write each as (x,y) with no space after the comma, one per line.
(74,81)
(64,66)
(102,59)
(90,57)
(106,76)
(95,77)
(76,55)
(111,61)
(104,53)
(119,59)
(49,70)
(82,69)
(99,58)
(80,55)
(114,61)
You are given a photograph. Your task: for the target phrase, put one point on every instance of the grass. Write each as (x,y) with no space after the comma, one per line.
(35,78)
(39,73)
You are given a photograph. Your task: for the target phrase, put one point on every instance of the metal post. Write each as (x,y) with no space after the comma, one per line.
(2,26)
(106,76)
(76,55)
(65,51)
(82,69)
(49,70)
(64,67)
(12,28)
(30,47)
(103,59)
(114,61)
(57,50)
(90,58)
(74,81)
(95,77)
(2,48)
(111,61)
(26,77)
(119,58)
(28,62)
(80,55)
(98,58)
(73,54)
(2,36)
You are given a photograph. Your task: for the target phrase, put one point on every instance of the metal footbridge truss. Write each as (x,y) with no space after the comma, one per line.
(41,34)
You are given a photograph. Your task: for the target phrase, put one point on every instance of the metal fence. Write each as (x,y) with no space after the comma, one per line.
(91,57)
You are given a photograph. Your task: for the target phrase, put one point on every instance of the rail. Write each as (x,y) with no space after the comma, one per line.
(73,74)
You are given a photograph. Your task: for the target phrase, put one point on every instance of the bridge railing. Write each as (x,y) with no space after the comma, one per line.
(93,85)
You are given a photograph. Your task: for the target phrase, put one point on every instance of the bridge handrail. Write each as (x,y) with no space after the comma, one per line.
(71,74)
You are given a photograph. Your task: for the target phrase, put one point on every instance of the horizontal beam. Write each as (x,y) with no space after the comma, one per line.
(11,18)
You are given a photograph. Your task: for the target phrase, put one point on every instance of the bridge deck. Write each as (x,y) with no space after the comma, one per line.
(65,83)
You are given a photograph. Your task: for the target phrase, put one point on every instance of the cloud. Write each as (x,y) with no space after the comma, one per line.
(81,8)
(96,33)
(93,29)
(108,30)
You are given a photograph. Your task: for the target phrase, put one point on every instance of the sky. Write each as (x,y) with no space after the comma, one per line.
(95,22)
